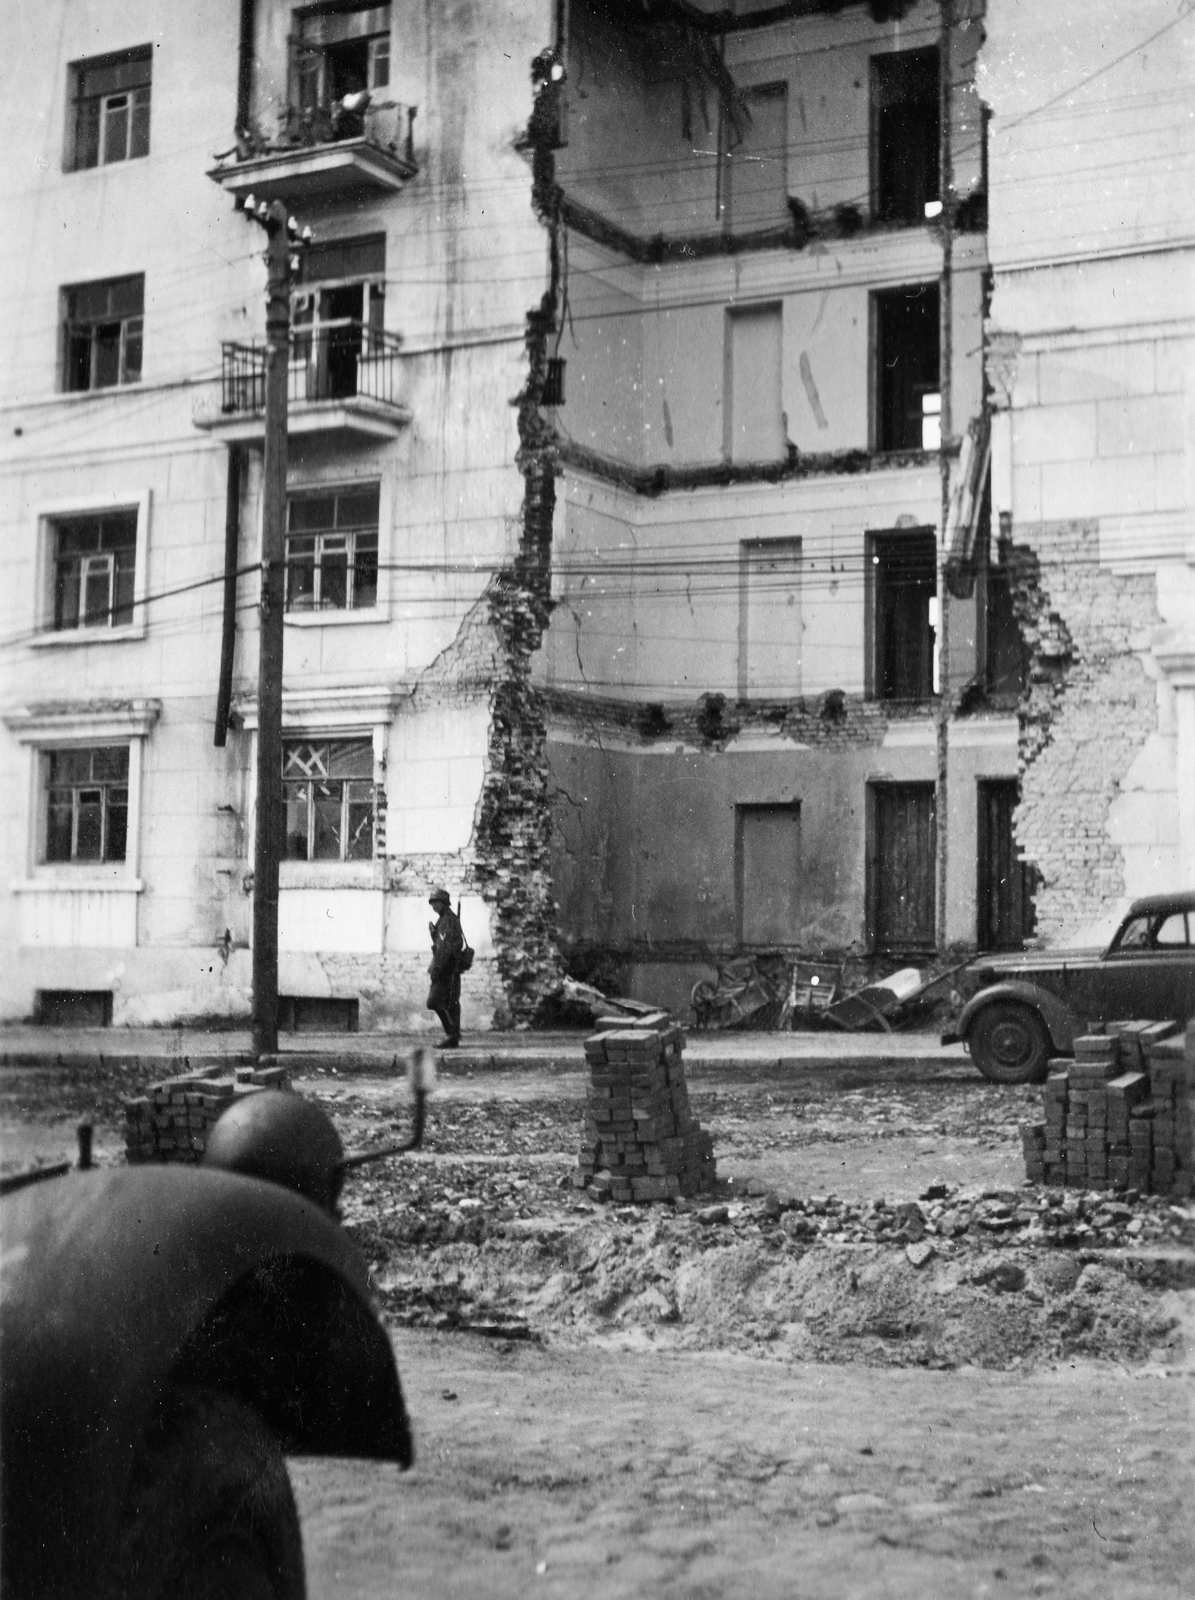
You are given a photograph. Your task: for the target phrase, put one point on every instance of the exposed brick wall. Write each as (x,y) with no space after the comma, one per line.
(1086,712)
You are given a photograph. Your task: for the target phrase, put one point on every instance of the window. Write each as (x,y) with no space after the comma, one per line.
(332,550)
(87,804)
(907,386)
(338,317)
(328,793)
(904,134)
(110,109)
(1156,930)
(754,419)
(901,573)
(94,560)
(102,333)
(334,54)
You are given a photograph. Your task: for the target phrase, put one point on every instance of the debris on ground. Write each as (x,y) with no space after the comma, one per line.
(770,992)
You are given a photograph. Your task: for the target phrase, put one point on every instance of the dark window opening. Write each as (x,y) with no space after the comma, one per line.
(328,800)
(332,550)
(1004,900)
(339,58)
(102,328)
(73,1008)
(94,564)
(300,1013)
(905,158)
(902,574)
(110,108)
(87,804)
(338,322)
(908,386)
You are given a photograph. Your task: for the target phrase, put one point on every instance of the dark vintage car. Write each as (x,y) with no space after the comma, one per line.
(1016,1011)
(166,1333)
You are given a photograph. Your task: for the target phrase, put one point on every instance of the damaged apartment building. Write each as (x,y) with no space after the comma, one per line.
(419,506)
(783,667)
(739,490)
(873,633)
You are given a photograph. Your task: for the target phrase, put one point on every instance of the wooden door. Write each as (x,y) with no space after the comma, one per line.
(1004,892)
(902,875)
(769,874)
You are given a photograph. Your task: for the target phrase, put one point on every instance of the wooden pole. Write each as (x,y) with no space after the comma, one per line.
(946,310)
(267,840)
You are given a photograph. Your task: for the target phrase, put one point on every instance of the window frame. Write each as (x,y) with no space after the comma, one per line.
(76,77)
(107,789)
(48,516)
(347,800)
(343,616)
(68,324)
(880,66)
(873,540)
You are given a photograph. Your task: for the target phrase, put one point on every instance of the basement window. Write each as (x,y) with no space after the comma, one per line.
(109,109)
(907,384)
(73,1008)
(329,799)
(102,326)
(301,1013)
(901,570)
(904,134)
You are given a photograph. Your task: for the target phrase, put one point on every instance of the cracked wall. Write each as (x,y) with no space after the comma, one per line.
(1088,708)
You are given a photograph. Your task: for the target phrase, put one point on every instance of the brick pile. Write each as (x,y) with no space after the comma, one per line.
(172,1120)
(1121,1115)
(642,1141)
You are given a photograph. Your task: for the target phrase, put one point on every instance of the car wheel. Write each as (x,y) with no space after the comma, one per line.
(209,1514)
(1009,1044)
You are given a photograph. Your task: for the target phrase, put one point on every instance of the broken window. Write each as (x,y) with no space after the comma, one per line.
(907,385)
(339,58)
(332,549)
(756,167)
(102,325)
(901,569)
(328,799)
(338,316)
(904,134)
(94,559)
(109,104)
(754,418)
(770,618)
(86,804)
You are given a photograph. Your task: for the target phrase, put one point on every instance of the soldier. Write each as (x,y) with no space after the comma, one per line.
(448,941)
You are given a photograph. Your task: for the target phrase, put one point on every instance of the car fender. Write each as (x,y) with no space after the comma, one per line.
(118,1282)
(1055,1013)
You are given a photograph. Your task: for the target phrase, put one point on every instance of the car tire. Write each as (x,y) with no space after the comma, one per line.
(209,1514)
(1009,1043)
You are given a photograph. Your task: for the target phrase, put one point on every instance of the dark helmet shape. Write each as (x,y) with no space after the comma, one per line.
(439,896)
(277,1135)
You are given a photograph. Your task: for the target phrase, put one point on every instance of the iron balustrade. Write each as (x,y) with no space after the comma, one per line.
(342,359)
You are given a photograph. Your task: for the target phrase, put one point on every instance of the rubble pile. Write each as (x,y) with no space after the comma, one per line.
(172,1119)
(642,1141)
(1120,1116)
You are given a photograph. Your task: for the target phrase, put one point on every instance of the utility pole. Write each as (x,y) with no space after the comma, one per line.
(267,834)
(946,342)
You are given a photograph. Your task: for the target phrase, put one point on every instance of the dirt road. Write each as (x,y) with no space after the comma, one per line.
(598,1474)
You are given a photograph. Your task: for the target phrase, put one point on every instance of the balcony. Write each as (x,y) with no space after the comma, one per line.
(325,155)
(344,377)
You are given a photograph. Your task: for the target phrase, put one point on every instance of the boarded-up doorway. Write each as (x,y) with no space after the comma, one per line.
(1004,891)
(903,841)
(768,873)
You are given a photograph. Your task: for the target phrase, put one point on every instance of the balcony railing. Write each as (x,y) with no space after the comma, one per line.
(341,360)
(326,154)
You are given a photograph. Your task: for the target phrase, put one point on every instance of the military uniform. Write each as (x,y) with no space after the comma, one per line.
(448,940)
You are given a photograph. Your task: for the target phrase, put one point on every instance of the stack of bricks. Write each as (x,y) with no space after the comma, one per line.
(1120,1116)
(171,1121)
(642,1141)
